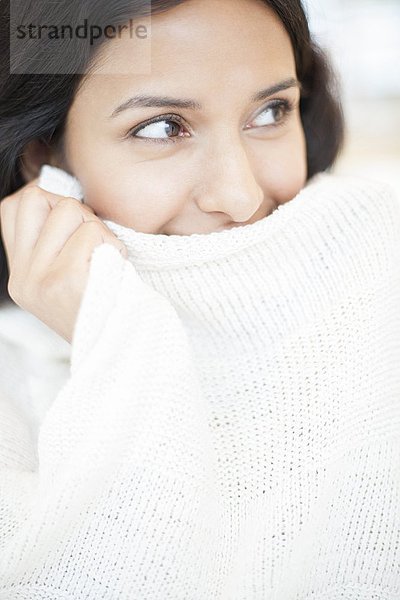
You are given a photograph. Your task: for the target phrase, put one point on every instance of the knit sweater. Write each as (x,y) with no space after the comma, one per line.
(229,424)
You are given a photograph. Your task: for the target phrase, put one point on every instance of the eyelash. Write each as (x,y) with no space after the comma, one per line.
(286,106)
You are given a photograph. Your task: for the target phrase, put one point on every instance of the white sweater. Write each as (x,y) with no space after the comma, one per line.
(228,427)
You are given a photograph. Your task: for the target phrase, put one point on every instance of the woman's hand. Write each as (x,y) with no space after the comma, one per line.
(49,240)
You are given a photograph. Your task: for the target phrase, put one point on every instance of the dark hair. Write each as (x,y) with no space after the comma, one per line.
(35,106)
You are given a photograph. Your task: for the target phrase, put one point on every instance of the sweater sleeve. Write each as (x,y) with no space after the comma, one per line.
(124,476)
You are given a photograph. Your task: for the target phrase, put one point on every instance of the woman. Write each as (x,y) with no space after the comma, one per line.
(220,426)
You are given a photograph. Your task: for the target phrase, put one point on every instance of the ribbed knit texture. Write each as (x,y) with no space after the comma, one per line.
(230,426)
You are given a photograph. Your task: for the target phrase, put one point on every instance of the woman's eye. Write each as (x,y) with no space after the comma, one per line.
(270,115)
(166,129)
(161,130)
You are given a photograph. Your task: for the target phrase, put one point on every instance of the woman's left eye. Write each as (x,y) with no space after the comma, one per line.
(284,107)
(152,131)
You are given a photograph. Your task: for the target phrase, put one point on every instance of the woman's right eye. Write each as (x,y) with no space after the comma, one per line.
(153,131)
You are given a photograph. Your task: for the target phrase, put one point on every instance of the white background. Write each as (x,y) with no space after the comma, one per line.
(362,38)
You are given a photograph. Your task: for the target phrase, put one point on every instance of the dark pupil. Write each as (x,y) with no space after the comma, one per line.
(169,127)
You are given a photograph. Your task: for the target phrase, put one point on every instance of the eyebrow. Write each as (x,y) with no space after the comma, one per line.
(143,101)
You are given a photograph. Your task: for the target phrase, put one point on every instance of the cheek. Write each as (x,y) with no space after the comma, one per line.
(143,196)
(284,171)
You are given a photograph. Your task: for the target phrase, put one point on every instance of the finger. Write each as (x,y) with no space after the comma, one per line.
(63,220)
(8,212)
(80,246)
(34,208)
(74,259)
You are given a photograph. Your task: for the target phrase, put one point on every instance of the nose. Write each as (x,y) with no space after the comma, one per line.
(228,182)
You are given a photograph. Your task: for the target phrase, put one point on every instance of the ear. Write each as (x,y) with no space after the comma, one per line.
(35,154)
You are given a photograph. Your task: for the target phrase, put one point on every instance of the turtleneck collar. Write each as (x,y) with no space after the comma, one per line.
(259,281)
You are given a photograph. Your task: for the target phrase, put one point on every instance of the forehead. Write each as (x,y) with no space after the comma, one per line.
(199,47)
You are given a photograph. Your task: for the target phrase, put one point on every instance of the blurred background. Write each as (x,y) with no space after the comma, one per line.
(362,38)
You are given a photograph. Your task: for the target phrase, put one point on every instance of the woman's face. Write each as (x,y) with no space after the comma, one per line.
(196,170)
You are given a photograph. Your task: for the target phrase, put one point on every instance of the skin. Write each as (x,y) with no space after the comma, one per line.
(226,164)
